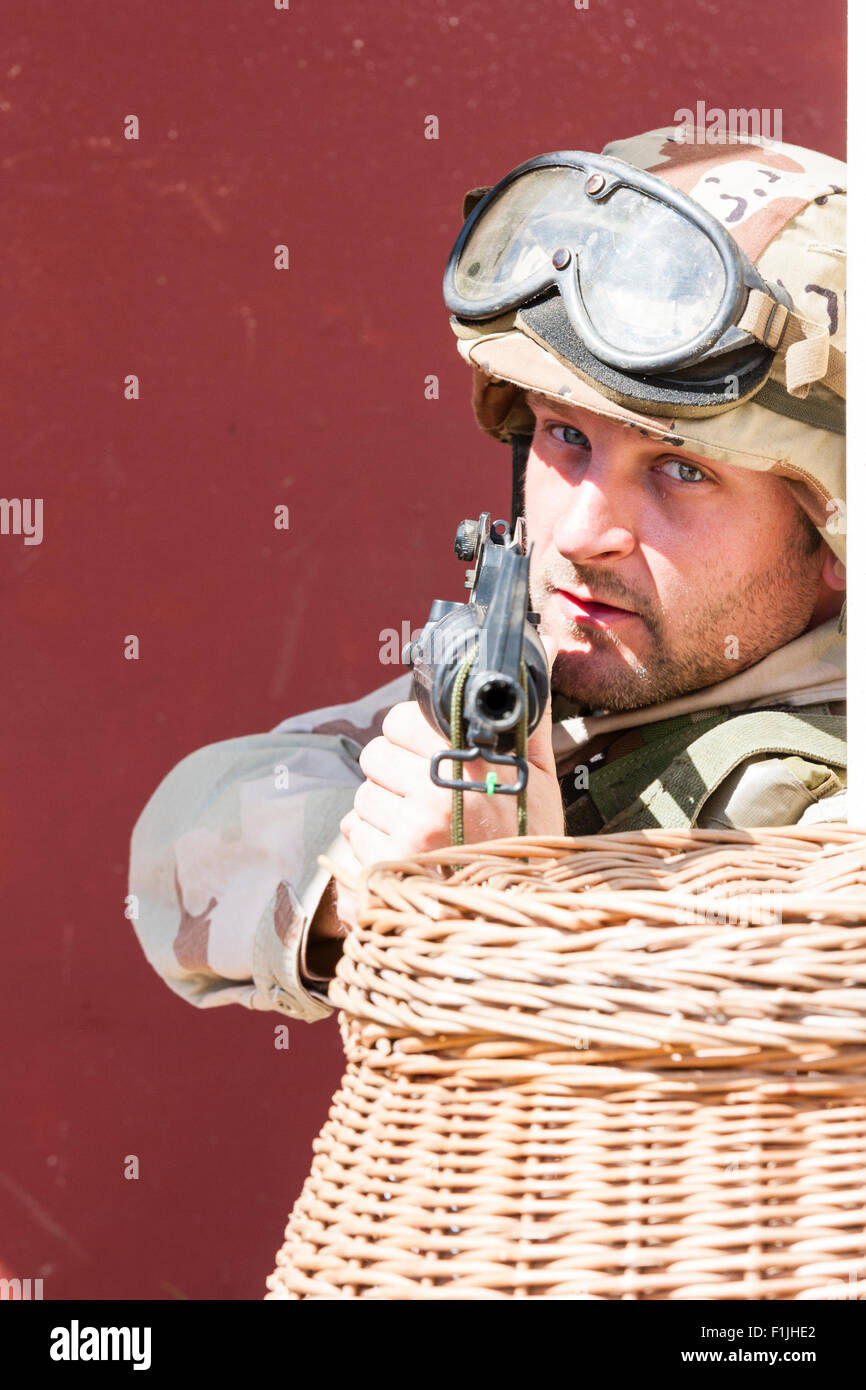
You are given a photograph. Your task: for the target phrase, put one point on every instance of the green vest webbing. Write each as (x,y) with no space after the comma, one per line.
(666,783)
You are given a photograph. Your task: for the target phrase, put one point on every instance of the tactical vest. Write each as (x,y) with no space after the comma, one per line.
(683,761)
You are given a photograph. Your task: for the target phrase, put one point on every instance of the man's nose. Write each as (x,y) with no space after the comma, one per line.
(596,524)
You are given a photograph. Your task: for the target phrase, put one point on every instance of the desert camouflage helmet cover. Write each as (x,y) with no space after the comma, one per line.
(785,206)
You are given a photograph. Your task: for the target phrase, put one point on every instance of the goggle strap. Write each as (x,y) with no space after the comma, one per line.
(810,360)
(836,372)
(765,318)
(809,355)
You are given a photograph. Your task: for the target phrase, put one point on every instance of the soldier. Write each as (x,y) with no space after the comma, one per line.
(658,332)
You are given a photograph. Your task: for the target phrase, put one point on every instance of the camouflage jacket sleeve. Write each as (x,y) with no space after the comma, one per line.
(224,879)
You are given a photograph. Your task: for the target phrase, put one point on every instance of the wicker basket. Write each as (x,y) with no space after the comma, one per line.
(621,1067)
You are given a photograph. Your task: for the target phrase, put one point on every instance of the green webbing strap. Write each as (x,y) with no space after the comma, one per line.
(822,412)
(457,742)
(520,741)
(615,785)
(520,748)
(675,798)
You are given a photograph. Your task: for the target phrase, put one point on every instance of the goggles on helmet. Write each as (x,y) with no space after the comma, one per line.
(625,277)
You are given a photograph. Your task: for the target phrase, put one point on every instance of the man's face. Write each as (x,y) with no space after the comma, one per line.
(682,571)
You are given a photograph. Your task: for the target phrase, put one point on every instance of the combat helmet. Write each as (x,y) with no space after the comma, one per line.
(685,283)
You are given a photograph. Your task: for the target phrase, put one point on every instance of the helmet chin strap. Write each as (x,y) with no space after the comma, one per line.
(520,445)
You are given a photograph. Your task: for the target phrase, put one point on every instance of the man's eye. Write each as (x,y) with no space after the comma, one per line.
(567,434)
(685,472)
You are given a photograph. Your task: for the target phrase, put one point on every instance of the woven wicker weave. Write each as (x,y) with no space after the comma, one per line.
(622,1067)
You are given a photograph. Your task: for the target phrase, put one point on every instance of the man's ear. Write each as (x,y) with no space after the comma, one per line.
(833,571)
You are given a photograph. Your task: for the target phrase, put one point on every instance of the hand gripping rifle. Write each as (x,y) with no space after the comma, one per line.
(479,668)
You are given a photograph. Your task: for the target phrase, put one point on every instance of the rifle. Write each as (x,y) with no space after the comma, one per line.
(479,669)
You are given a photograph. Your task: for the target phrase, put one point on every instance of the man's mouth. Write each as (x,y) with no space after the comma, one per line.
(591,610)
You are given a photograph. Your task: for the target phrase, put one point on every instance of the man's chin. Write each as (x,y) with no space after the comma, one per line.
(584,707)
(613,690)
(596,683)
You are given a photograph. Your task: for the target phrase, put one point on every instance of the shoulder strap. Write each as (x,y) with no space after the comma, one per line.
(615,785)
(675,797)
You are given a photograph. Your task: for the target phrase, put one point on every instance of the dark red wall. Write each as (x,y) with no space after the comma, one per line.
(306,387)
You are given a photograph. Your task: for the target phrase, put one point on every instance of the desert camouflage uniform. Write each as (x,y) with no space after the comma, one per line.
(224,864)
(224,856)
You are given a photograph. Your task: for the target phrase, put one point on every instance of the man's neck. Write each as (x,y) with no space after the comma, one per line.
(829,605)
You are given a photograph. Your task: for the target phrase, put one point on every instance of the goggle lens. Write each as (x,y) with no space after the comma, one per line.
(647,278)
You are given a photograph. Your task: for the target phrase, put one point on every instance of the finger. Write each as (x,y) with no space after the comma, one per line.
(381,809)
(348,859)
(395,767)
(550,648)
(371,846)
(346,908)
(406,726)
(539,747)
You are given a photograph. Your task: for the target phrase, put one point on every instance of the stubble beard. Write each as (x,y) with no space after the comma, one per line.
(767,610)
